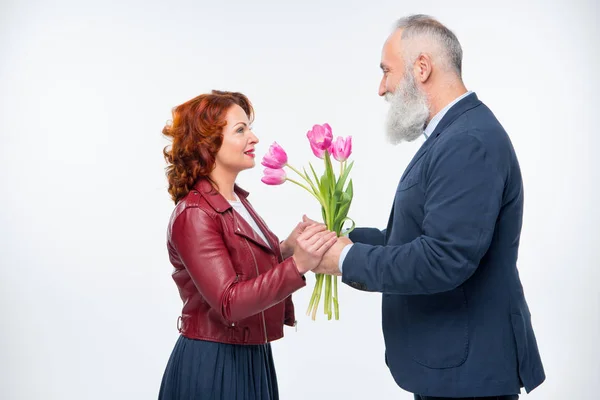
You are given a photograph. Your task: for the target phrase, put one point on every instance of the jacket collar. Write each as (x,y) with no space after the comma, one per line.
(241,227)
(214,198)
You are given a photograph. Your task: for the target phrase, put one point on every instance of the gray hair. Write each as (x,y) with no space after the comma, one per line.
(426,27)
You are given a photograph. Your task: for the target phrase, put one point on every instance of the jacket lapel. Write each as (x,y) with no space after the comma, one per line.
(240,226)
(273,244)
(243,229)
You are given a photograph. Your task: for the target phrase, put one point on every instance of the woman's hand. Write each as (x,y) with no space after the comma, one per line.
(311,245)
(288,246)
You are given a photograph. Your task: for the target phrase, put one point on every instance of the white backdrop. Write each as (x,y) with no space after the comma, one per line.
(87,303)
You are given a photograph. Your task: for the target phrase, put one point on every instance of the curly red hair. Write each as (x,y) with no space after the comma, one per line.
(197,134)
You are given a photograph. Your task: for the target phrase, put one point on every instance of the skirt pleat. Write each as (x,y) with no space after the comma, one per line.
(199,369)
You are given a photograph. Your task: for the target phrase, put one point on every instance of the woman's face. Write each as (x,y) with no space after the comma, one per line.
(237,150)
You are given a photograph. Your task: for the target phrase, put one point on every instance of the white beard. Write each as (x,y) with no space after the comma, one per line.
(408,111)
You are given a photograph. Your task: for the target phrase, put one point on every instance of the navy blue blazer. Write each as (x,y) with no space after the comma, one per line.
(455,319)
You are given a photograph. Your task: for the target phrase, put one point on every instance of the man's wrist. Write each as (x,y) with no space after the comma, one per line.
(343,254)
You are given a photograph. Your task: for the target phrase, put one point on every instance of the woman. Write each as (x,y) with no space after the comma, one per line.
(233,276)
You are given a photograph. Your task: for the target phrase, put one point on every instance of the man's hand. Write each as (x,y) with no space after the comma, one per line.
(330,262)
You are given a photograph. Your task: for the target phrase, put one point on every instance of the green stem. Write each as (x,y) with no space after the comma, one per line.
(303,176)
(335,299)
(329,168)
(329,296)
(315,192)
(307,189)
(312,299)
(319,289)
(310,181)
(326,298)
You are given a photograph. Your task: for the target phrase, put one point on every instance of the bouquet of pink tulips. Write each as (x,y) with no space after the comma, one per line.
(331,192)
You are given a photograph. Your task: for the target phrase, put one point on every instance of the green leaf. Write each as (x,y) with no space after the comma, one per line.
(340,216)
(351,227)
(341,213)
(336,202)
(342,180)
(338,196)
(350,190)
(346,198)
(324,186)
(314,173)
(310,181)
(329,170)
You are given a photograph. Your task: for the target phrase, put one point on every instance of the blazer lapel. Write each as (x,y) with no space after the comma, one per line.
(466,104)
(420,153)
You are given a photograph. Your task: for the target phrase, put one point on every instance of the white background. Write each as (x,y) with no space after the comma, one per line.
(87,303)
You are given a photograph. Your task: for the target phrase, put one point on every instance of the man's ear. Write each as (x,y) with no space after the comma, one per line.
(423,67)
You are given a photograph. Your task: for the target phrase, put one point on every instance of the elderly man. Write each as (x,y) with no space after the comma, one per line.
(455,319)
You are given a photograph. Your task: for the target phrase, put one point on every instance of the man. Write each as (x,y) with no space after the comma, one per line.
(455,320)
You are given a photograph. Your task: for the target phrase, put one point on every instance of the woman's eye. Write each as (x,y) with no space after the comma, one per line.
(240,130)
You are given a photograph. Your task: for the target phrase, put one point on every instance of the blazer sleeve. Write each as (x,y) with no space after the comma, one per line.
(199,242)
(372,236)
(463,196)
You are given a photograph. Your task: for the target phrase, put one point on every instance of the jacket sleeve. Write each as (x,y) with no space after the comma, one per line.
(463,196)
(290,315)
(198,240)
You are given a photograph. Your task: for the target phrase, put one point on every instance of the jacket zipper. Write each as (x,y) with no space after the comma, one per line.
(257,273)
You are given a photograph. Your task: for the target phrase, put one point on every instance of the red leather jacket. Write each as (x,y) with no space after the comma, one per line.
(234,287)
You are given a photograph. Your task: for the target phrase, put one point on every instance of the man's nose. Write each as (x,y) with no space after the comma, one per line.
(382,89)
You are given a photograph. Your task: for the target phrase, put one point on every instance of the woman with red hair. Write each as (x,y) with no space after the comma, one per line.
(234,277)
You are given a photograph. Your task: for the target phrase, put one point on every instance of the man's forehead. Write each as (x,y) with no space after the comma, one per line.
(390,53)
(394,41)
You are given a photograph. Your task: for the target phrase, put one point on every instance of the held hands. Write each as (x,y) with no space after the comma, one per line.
(330,263)
(288,246)
(311,245)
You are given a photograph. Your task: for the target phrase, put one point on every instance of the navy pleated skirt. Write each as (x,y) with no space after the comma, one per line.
(199,369)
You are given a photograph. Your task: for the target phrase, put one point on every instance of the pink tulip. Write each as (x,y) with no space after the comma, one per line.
(341,148)
(317,151)
(276,157)
(320,138)
(274,176)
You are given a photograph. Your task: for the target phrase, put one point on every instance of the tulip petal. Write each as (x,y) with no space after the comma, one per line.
(274,176)
(275,158)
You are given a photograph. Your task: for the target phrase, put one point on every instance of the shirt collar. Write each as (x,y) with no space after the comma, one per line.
(438,117)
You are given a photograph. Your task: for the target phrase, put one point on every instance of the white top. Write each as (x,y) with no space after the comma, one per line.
(239,207)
